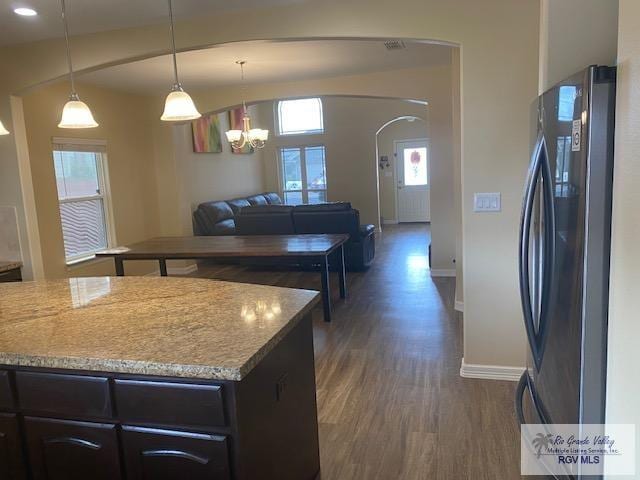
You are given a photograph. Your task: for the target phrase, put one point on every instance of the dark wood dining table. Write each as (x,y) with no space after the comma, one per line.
(279,249)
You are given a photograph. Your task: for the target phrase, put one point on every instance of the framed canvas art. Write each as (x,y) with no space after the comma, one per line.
(206,134)
(235,123)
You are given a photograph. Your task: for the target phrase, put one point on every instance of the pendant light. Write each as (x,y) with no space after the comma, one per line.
(3,131)
(178,107)
(75,114)
(256,137)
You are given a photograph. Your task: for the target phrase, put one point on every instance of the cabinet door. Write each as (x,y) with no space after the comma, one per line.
(170,455)
(65,450)
(11,456)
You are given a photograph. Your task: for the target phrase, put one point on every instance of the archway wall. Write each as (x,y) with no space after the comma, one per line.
(499,40)
(356,107)
(441,183)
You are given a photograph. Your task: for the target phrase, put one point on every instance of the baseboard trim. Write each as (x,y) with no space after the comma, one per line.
(176,270)
(390,222)
(490,372)
(443,272)
(459,306)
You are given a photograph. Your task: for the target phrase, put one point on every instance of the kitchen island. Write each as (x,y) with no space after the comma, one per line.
(156,378)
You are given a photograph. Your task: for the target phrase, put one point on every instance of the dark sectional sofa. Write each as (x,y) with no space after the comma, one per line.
(264,214)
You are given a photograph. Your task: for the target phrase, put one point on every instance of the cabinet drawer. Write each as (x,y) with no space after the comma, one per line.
(65,450)
(6,397)
(11,455)
(174,404)
(11,276)
(74,395)
(168,455)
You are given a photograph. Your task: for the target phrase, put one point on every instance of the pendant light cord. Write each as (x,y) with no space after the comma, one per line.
(173,43)
(66,39)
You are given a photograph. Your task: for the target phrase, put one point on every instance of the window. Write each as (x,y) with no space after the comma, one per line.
(300,117)
(415,166)
(84,213)
(304,175)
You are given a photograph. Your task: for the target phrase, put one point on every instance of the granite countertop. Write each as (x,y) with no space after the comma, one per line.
(6,266)
(179,327)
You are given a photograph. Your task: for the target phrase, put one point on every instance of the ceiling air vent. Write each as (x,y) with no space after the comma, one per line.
(394,45)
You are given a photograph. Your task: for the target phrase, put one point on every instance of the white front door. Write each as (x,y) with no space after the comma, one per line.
(412,174)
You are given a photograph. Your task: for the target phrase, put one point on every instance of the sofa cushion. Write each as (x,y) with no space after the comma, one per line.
(329,218)
(257,200)
(272,198)
(214,218)
(225,227)
(324,207)
(216,211)
(238,204)
(265,220)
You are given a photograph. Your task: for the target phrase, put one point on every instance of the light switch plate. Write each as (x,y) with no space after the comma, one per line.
(486,202)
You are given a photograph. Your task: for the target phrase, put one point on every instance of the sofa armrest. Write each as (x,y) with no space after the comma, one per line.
(366,230)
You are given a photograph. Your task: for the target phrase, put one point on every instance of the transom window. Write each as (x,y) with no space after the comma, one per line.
(82,196)
(304,175)
(300,117)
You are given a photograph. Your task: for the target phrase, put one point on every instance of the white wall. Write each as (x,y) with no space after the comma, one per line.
(575,34)
(217,176)
(623,387)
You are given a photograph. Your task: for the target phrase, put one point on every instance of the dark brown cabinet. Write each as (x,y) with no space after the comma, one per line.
(79,425)
(66,450)
(54,393)
(11,455)
(170,455)
(205,403)
(6,397)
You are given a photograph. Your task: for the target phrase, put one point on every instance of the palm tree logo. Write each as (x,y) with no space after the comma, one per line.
(541,441)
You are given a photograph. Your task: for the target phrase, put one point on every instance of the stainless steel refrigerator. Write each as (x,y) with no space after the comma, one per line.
(564,251)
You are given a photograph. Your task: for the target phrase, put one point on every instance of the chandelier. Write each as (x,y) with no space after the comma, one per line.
(256,137)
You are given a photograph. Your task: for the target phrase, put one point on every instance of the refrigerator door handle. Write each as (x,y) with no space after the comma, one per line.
(522,385)
(549,253)
(533,175)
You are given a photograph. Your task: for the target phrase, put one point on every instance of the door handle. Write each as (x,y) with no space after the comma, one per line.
(522,385)
(533,175)
(549,253)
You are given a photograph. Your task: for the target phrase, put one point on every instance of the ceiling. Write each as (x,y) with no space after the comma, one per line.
(267,62)
(90,16)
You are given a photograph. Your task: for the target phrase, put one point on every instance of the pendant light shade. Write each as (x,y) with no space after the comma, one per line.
(3,131)
(76,114)
(178,107)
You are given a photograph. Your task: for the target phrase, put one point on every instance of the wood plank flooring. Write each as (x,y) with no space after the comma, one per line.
(391,403)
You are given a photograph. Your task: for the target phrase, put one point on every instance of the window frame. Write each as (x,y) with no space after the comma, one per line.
(98,148)
(303,172)
(278,115)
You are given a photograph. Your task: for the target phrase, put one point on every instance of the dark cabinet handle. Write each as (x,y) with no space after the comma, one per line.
(78,442)
(175,453)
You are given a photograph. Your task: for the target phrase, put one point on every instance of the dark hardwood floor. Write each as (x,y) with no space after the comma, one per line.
(391,402)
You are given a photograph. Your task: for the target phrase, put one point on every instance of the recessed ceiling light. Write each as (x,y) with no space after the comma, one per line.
(25,12)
